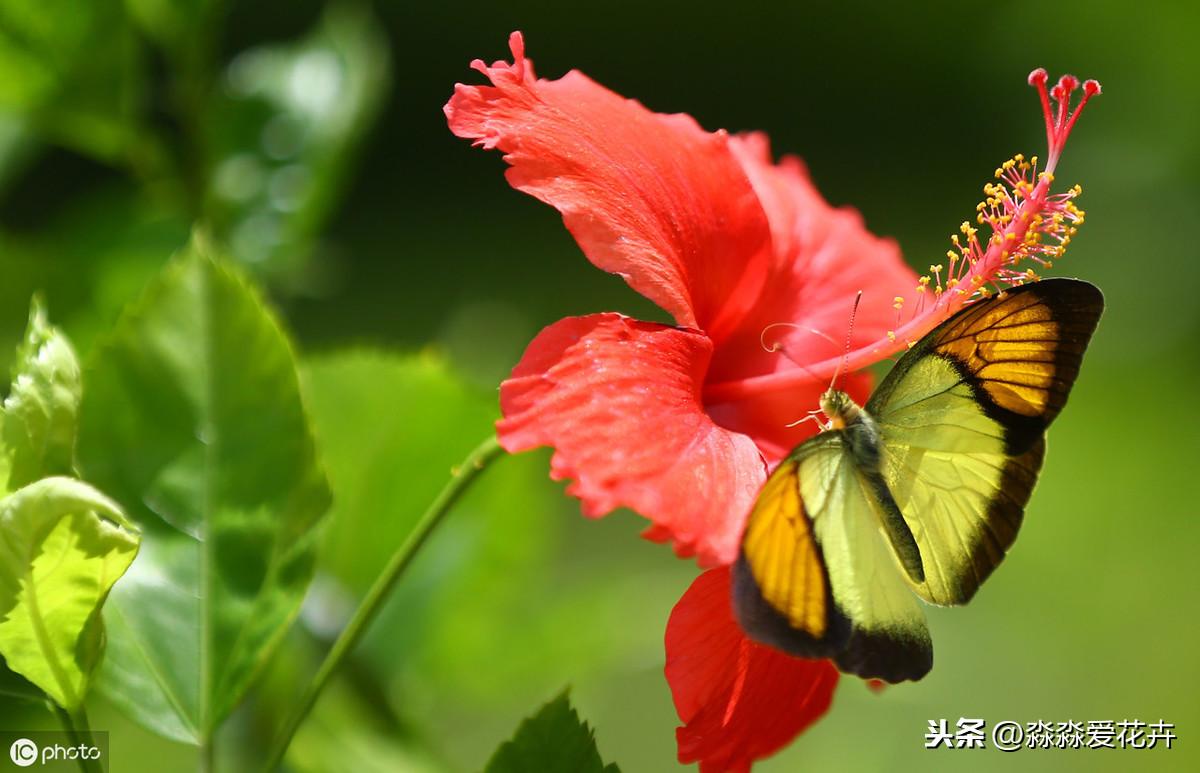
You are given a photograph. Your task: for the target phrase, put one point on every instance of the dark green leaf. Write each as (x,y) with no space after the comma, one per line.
(70,72)
(91,257)
(193,419)
(62,546)
(555,740)
(174,24)
(285,128)
(13,685)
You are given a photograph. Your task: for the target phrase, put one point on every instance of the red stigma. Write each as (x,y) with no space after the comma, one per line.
(1060,122)
(1068,82)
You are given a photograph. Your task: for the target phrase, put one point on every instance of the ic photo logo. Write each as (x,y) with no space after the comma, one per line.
(23,752)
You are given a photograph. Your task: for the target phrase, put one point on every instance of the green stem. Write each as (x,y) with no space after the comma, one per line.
(80,732)
(461,478)
(208,754)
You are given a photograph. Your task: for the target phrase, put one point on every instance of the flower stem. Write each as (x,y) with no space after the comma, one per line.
(460,479)
(75,723)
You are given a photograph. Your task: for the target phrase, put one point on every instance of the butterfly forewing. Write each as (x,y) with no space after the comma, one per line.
(1019,352)
(962,419)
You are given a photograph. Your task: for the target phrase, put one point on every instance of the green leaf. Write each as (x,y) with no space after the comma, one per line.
(285,132)
(174,24)
(391,427)
(90,257)
(13,685)
(37,419)
(555,740)
(62,546)
(70,71)
(193,419)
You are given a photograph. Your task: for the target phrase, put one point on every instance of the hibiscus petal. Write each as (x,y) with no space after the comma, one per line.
(619,400)
(772,418)
(651,197)
(824,256)
(739,701)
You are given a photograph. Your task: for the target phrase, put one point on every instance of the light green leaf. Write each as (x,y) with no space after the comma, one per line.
(37,419)
(62,546)
(193,418)
(555,740)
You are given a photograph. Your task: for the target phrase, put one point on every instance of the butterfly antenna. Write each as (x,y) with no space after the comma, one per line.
(775,347)
(846,349)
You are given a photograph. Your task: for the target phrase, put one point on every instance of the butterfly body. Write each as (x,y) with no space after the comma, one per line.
(862,443)
(919,493)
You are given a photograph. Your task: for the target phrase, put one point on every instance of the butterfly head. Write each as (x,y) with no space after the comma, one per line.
(838,408)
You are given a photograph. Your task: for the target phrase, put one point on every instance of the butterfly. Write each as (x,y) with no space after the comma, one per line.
(920,492)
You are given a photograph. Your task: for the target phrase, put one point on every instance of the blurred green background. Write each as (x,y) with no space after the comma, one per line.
(311,138)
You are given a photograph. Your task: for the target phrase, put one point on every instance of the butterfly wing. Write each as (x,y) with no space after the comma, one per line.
(963,417)
(816,576)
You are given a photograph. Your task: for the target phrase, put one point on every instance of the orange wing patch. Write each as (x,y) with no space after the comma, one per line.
(1011,345)
(782,556)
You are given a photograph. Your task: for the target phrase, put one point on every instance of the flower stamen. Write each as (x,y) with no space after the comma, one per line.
(1027,222)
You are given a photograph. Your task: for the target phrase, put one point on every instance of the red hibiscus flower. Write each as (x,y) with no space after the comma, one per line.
(682,423)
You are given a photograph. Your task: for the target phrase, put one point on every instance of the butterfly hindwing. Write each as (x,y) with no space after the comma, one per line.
(962,419)
(817,577)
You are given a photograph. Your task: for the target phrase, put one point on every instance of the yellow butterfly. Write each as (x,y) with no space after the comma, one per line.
(923,489)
